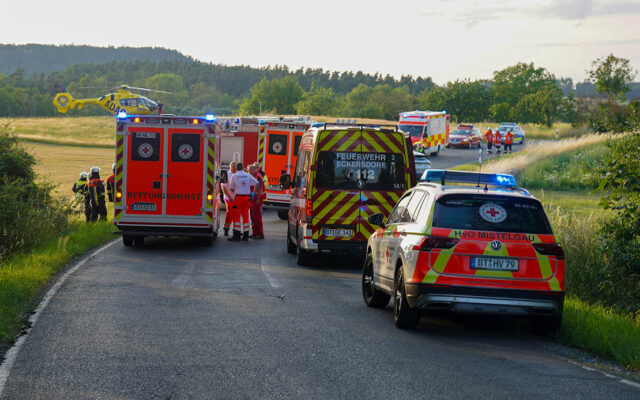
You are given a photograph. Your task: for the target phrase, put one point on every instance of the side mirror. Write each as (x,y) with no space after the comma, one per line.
(285,181)
(224,177)
(377,219)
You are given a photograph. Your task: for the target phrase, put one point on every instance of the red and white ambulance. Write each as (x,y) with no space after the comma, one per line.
(277,153)
(428,130)
(166,178)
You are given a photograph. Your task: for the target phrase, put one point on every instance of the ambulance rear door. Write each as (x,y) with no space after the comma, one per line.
(185,194)
(144,173)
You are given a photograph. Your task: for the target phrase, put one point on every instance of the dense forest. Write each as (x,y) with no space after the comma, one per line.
(522,92)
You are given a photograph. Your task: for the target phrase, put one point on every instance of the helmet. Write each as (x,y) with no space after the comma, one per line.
(83,175)
(113,167)
(95,169)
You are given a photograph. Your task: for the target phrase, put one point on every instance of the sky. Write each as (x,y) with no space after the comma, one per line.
(442,39)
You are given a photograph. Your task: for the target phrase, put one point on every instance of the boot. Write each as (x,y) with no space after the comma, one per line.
(245,236)
(226,231)
(236,236)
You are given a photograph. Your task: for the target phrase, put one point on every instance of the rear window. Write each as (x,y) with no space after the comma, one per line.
(365,171)
(491,213)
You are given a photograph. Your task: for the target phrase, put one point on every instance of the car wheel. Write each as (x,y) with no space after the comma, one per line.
(403,316)
(545,324)
(303,257)
(372,296)
(127,240)
(522,141)
(283,214)
(291,247)
(437,153)
(138,241)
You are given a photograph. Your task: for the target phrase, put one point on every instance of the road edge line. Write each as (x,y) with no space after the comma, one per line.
(12,354)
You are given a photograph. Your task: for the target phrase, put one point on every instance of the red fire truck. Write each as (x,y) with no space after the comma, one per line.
(167,169)
(277,153)
(239,140)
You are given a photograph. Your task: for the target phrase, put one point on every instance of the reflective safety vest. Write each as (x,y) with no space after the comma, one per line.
(80,189)
(498,138)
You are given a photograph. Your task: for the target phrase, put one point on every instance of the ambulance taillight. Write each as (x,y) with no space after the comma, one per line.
(209,197)
(119,195)
(309,211)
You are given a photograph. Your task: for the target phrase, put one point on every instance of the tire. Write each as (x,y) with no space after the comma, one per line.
(372,296)
(522,141)
(138,241)
(303,257)
(542,325)
(437,153)
(127,240)
(403,316)
(283,214)
(291,247)
(208,240)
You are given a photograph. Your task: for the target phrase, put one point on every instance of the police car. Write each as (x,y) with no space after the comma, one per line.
(466,242)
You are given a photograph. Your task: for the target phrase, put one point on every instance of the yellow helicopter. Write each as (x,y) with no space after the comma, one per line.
(121,99)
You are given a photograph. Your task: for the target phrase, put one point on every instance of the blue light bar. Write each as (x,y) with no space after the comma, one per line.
(122,114)
(479,178)
(210,117)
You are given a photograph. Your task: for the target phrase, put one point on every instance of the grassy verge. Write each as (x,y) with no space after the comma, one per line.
(601,332)
(23,275)
(79,131)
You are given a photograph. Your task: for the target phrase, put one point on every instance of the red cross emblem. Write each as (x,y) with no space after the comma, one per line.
(185,151)
(145,150)
(493,212)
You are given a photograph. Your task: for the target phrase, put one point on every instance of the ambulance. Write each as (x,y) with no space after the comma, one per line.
(342,175)
(166,178)
(277,154)
(428,130)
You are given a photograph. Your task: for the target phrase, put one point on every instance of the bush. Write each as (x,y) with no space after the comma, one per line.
(29,214)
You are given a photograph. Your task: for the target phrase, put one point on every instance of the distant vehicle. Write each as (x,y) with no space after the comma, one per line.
(123,99)
(467,136)
(422,162)
(167,177)
(466,242)
(342,175)
(518,132)
(428,130)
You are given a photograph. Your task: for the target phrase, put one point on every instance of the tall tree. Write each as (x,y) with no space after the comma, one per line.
(611,76)
(276,95)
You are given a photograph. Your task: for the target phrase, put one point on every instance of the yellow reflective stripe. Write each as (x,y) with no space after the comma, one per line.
(328,208)
(430,277)
(442,260)
(371,141)
(332,141)
(349,142)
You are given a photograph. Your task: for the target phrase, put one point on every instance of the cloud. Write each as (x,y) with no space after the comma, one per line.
(582,9)
(471,14)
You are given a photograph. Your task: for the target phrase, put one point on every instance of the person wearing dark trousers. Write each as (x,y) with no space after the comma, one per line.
(96,196)
(256,204)
(508,141)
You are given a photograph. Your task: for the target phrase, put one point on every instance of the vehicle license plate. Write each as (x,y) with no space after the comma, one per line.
(143,206)
(494,264)
(337,232)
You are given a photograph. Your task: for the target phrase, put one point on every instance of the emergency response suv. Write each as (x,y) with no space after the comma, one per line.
(166,175)
(481,245)
(343,175)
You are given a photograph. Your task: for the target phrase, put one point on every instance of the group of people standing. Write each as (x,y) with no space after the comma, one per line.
(90,190)
(244,192)
(494,138)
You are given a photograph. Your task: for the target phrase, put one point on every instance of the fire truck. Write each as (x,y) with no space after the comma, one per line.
(239,140)
(277,153)
(166,177)
(428,130)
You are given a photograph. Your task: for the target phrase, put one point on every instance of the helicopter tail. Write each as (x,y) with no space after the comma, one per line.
(63,100)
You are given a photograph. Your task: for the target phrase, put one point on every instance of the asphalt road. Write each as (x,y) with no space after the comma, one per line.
(452,157)
(241,320)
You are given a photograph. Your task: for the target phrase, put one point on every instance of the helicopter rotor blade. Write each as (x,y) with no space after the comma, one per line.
(149,90)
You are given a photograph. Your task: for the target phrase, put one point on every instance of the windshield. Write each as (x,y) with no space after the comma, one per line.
(462,132)
(366,171)
(503,129)
(491,213)
(413,130)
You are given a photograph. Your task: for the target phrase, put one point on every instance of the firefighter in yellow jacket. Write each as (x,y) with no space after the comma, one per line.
(82,194)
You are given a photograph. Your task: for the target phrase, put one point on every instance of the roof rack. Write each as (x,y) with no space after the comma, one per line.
(389,127)
(478,178)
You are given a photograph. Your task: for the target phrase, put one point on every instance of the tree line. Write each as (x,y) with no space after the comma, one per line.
(523,92)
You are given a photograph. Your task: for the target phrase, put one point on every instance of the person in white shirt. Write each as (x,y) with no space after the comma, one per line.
(242,185)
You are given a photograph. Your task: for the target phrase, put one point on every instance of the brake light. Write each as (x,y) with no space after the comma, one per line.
(309,211)
(550,249)
(433,242)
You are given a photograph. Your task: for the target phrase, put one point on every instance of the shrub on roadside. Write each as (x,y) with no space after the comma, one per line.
(28,212)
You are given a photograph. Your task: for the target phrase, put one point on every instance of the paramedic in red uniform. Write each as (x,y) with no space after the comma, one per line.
(242,184)
(228,198)
(489,138)
(256,204)
(508,141)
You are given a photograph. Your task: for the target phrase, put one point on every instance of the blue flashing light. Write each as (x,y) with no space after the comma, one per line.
(444,176)
(210,117)
(122,114)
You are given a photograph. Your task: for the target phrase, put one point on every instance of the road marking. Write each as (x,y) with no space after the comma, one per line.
(606,374)
(181,280)
(12,354)
(264,267)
